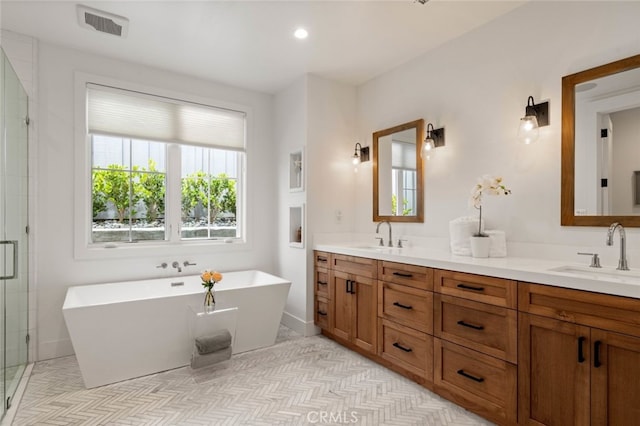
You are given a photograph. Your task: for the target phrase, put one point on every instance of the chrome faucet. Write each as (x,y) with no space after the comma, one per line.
(176,265)
(622,262)
(390,244)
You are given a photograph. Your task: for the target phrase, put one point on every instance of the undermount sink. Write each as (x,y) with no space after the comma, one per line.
(375,248)
(605,274)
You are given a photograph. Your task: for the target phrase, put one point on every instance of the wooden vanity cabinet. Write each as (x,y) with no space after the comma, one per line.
(354,300)
(475,325)
(405,318)
(579,357)
(553,376)
(323,290)
(512,352)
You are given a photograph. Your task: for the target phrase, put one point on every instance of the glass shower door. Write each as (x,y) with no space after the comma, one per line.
(13,231)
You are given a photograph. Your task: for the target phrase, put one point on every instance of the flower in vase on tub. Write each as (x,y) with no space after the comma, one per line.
(209,278)
(488,185)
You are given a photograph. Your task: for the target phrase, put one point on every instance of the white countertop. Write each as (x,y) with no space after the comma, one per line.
(539,271)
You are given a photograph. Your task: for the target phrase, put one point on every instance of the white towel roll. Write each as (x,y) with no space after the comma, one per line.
(498,243)
(460,229)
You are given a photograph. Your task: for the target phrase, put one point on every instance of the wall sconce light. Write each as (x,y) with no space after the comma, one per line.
(535,116)
(434,139)
(361,154)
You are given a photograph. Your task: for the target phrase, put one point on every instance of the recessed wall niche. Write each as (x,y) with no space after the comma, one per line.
(296,226)
(296,171)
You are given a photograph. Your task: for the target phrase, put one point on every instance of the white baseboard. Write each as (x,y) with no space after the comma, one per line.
(306,328)
(54,349)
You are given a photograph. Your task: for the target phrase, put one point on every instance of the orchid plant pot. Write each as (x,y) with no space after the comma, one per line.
(480,245)
(480,242)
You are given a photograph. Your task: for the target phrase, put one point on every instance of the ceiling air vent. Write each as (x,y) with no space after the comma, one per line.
(104,22)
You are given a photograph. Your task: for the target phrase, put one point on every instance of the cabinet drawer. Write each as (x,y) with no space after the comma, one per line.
(321,259)
(405,305)
(409,275)
(355,265)
(322,281)
(479,382)
(485,328)
(322,315)
(615,313)
(494,291)
(406,348)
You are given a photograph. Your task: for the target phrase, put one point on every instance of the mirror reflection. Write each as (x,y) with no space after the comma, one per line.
(397,170)
(607,148)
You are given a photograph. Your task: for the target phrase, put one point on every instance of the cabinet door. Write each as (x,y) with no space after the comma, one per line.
(366,300)
(553,374)
(342,305)
(615,378)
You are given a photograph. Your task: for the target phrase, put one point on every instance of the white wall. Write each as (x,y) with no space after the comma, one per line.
(56,266)
(290,130)
(319,115)
(477,87)
(331,136)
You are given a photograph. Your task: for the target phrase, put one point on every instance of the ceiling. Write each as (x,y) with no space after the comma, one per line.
(250,44)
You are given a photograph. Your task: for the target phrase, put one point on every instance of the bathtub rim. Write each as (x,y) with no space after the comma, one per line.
(72,291)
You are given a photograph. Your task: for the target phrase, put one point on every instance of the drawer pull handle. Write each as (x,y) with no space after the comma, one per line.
(324,314)
(322,283)
(596,354)
(466,324)
(581,340)
(469,376)
(403,275)
(400,305)
(402,348)
(470,287)
(321,259)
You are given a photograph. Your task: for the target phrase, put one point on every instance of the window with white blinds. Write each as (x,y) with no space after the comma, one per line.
(162,170)
(125,113)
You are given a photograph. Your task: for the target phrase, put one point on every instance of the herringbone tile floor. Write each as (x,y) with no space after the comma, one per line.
(298,381)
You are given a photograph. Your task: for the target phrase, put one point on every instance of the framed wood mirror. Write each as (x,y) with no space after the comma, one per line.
(601,145)
(398,192)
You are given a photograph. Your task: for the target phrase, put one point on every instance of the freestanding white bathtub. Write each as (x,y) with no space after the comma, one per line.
(130,329)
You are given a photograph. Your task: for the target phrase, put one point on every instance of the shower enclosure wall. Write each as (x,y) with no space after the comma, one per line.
(13,231)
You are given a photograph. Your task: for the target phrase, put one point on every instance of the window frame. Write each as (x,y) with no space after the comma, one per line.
(173,245)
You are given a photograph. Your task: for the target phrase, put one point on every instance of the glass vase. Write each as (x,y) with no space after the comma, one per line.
(209,301)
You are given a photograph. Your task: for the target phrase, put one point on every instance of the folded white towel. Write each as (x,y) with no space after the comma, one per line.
(460,229)
(498,243)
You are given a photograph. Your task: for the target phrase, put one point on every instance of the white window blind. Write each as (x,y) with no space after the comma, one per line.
(125,113)
(404,155)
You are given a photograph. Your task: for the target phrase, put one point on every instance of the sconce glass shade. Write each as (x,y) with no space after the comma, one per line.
(535,116)
(428,149)
(528,131)
(360,155)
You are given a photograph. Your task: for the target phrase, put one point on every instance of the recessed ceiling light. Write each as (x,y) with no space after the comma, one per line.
(301,33)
